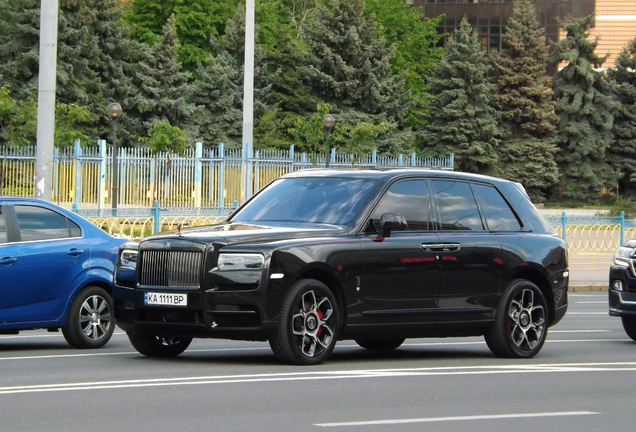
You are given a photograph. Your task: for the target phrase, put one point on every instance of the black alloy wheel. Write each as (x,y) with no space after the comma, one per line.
(521,321)
(159,346)
(308,326)
(89,323)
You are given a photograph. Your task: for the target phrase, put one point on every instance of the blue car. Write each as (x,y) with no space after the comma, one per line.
(56,271)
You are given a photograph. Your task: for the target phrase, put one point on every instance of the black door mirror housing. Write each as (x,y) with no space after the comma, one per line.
(391,222)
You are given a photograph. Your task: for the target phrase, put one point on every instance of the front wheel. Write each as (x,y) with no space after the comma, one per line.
(89,323)
(159,346)
(629,324)
(309,322)
(521,321)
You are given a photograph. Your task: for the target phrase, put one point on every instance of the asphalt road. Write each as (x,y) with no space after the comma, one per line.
(584,379)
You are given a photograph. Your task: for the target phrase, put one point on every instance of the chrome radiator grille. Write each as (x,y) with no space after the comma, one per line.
(170,268)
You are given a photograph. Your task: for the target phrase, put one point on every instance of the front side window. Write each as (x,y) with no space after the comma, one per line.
(499,216)
(408,198)
(37,223)
(457,206)
(330,200)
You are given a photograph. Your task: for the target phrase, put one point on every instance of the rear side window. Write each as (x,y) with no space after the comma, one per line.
(3,228)
(457,206)
(408,198)
(499,216)
(37,223)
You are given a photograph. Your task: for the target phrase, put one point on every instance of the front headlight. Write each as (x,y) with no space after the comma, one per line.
(624,256)
(240,262)
(128,258)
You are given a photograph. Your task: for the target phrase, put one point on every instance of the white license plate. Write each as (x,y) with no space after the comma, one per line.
(163,299)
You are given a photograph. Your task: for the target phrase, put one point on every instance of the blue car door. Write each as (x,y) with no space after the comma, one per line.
(52,261)
(10,274)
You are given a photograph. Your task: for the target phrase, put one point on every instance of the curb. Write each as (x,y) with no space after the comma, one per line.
(585,286)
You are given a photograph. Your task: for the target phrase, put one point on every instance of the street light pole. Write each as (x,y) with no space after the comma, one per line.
(328,122)
(114,112)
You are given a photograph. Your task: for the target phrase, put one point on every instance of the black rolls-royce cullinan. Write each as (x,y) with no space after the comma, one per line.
(376,256)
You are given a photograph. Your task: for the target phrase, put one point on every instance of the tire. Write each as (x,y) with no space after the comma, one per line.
(521,321)
(89,323)
(159,346)
(380,344)
(309,324)
(629,324)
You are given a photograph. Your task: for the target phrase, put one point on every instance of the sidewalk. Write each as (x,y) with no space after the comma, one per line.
(589,271)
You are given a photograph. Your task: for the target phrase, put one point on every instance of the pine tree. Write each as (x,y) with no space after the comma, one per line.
(164,88)
(350,69)
(95,59)
(195,21)
(623,149)
(460,119)
(523,98)
(219,91)
(585,105)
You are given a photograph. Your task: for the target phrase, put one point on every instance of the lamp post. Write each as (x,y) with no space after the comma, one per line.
(328,122)
(114,112)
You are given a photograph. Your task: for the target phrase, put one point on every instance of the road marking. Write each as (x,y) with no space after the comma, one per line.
(579,331)
(338,347)
(54,334)
(462,418)
(588,313)
(591,302)
(324,375)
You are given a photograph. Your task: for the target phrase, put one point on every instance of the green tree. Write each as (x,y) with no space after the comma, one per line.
(195,21)
(164,87)
(460,119)
(585,105)
(219,92)
(95,59)
(416,39)
(523,98)
(623,149)
(350,69)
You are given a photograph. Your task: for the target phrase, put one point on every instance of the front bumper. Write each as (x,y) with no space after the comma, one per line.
(622,302)
(207,314)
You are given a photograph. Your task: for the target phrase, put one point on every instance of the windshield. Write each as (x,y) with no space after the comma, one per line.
(308,200)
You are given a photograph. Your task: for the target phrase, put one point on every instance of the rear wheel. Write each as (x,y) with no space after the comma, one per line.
(159,346)
(380,344)
(521,321)
(89,323)
(629,324)
(308,327)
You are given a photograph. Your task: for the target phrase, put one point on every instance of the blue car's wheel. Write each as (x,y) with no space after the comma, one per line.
(89,323)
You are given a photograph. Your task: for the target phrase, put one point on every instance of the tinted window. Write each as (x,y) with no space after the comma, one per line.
(409,199)
(457,206)
(75,229)
(3,228)
(37,223)
(499,216)
(312,200)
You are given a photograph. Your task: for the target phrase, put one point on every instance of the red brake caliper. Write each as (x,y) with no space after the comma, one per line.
(319,313)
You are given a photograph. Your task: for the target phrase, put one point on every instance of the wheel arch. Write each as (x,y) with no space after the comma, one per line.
(334,285)
(542,282)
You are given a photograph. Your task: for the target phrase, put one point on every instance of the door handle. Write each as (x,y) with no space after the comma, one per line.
(8,260)
(433,247)
(75,252)
(441,247)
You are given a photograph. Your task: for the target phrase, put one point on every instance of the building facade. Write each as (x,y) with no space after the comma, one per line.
(615,22)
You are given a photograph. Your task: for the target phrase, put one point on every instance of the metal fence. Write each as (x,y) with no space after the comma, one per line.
(82,176)
(594,234)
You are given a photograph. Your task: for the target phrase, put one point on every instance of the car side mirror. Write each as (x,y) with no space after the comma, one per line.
(391,222)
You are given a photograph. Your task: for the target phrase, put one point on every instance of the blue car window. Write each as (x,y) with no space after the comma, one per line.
(3,228)
(37,223)
(76,231)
